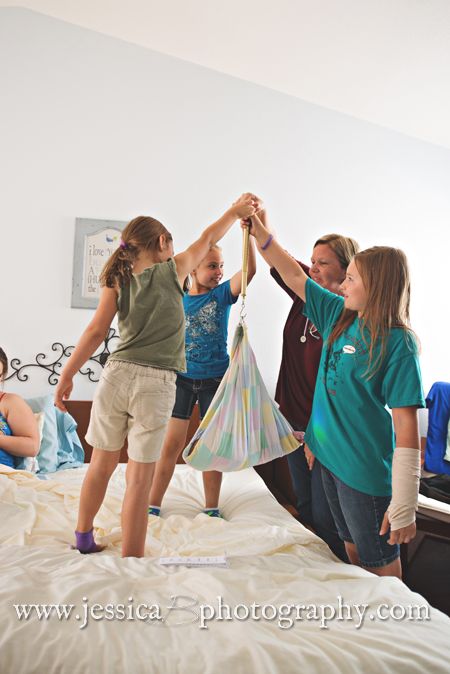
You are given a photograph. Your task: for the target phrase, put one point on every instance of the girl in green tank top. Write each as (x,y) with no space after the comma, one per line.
(141,283)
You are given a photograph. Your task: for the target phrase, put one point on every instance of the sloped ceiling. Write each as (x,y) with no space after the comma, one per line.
(384,61)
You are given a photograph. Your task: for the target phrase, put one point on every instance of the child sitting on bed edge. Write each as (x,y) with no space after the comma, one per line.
(19,435)
(142,282)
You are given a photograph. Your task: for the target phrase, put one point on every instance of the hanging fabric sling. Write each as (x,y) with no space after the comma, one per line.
(243,426)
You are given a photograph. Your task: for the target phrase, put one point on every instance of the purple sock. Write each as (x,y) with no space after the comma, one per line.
(85,542)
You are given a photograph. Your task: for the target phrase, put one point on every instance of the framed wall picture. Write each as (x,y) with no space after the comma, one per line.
(95,241)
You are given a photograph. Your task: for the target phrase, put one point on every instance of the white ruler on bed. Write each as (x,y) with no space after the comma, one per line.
(218,560)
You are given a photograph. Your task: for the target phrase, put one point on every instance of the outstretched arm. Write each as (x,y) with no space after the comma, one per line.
(291,273)
(262,215)
(236,280)
(192,256)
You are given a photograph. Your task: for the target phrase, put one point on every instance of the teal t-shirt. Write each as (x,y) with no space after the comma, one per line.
(350,430)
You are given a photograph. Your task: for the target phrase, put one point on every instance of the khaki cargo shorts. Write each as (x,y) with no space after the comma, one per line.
(133,401)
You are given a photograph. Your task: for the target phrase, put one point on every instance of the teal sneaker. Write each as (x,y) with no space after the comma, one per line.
(213,512)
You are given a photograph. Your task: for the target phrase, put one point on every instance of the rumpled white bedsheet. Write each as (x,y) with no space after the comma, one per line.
(273,560)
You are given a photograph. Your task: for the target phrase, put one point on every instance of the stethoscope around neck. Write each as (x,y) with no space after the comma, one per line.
(312,331)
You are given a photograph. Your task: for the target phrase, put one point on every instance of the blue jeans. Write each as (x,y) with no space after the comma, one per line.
(358,517)
(312,503)
(189,391)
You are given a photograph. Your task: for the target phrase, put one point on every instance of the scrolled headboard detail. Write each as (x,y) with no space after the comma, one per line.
(44,362)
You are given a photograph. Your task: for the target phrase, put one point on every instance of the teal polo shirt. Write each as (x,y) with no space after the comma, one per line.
(350,430)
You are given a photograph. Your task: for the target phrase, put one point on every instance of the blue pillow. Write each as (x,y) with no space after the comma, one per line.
(70,450)
(438,403)
(48,453)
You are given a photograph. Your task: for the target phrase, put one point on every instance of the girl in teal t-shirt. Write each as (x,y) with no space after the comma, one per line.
(369,363)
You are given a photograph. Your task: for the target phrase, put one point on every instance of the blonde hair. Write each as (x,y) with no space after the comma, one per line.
(140,234)
(343,247)
(385,276)
(187,283)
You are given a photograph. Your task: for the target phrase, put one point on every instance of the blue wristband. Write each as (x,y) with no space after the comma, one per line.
(268,242)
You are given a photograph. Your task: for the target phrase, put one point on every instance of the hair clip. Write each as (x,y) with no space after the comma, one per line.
(123,245)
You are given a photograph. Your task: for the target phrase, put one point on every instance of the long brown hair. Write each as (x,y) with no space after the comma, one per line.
(385,276)
(4,362)
(139,235)
(343,247)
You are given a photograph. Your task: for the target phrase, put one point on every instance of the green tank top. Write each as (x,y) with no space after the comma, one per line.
(151,319)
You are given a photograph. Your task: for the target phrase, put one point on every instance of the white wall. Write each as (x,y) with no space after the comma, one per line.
(95,127)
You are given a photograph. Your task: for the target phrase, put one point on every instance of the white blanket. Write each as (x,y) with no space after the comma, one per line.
(273,561)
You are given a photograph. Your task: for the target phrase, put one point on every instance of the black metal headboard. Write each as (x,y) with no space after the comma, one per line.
(54,367)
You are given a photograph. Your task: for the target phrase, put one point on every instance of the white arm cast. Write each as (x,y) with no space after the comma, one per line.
(405,487)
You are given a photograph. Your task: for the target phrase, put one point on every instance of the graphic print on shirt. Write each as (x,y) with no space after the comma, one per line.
(355,349)
(4,426)
(204,322)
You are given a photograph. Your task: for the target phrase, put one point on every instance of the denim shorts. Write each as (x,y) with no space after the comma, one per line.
(358,519)
(189,391)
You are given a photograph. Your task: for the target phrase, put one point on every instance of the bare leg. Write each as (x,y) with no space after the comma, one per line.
(94,486)
(174,443)
(392,569)
(212,480)
(352,553)
(134,509)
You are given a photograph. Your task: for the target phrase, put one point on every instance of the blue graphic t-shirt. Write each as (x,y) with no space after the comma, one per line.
(207,332)
(5,458)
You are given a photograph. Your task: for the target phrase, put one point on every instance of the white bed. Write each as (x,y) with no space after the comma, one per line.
(273,561)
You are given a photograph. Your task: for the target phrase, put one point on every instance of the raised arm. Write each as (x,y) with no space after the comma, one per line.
(89,341)
(236,280)
(291,273)
(192,256)
(262,214)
